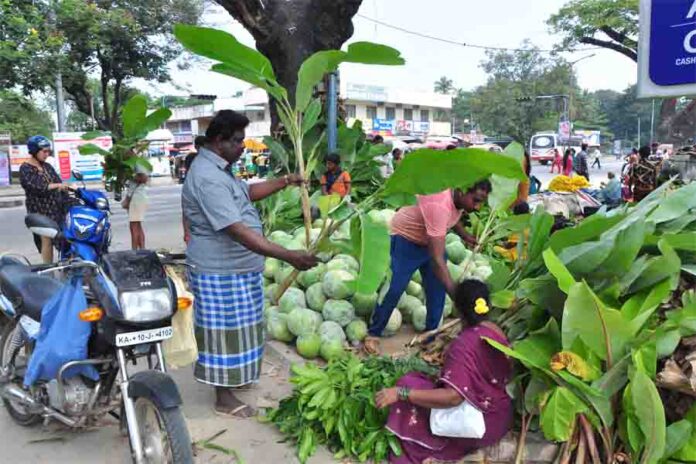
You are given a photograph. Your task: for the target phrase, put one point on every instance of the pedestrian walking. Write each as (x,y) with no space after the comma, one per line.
(226,253)
(596,159)
(568,162)
(581,167)
(418,243)
(136,202)
(557,161)
(45,191)
(335,180)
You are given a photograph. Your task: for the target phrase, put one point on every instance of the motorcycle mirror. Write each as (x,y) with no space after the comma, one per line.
(42,225)
(77,175)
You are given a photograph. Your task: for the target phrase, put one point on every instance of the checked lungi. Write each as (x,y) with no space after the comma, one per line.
(229,327)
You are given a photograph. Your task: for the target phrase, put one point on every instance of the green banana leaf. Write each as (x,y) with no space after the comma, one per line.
(558,415)
(650,414)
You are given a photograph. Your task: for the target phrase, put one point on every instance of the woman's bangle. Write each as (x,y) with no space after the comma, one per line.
(403,393)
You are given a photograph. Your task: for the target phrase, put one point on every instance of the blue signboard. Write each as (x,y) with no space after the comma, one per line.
(673,42)
(383,125)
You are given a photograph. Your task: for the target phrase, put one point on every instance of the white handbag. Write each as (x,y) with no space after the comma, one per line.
(463,421)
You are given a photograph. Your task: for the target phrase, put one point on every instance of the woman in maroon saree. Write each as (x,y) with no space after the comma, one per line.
(473,371)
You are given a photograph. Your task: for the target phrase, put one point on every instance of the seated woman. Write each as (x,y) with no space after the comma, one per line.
(473,371)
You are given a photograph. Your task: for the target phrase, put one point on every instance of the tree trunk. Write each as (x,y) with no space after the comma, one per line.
(287,32)
(676,126)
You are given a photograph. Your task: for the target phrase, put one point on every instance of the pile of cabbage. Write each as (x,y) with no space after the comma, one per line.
(322,314)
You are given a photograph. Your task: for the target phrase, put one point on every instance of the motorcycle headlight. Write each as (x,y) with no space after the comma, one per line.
(146,305)
(102,204)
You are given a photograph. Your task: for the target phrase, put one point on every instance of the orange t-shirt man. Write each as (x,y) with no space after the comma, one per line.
(335,180)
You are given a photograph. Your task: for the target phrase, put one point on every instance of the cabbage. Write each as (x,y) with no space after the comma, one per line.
(418,316)
(282,273)
(331,350)
(330,330)
(457,252)
(451,238)
(324,256)
(406,305)
(338,285)
(339,311)
(356,331)
(300,237)
(270,291)
(352,263)
(318,224)
(280,237)
(303,320)
(312,276)
(415,289)
(308,345)
(388,215)
(447,312)
(315,297)
(456,272)
(291,299)
(364,304)
(270,310)
(394,323)
(270,266)
(417,277)
(296,244)
(278,328)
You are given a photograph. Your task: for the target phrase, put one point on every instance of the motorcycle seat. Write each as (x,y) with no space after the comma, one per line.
(27,291)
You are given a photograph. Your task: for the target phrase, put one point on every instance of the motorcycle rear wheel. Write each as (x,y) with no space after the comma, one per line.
(163,432)
(18,412)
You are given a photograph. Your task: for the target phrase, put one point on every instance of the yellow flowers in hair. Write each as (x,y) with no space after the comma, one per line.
(481,306)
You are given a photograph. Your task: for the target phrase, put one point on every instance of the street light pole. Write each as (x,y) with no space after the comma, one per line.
(570,91)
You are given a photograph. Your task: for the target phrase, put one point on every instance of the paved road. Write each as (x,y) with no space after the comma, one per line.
(609,164)
(162,225)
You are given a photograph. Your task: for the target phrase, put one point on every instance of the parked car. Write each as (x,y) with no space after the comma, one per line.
(489,147)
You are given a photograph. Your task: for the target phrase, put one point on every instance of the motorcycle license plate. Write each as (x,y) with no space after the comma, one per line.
(144,336)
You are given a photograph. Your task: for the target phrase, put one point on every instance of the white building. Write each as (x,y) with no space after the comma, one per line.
(397,112)
(381,110)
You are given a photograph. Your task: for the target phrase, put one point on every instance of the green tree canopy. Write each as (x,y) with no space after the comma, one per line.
(611,24)
(22,118)
(117,41)
(444,85)
(507,104)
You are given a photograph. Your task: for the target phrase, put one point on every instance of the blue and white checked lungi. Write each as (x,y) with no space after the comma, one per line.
(229,327)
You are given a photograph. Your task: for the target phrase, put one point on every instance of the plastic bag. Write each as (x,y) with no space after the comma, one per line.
(181,349)
(63,336)
(463,421)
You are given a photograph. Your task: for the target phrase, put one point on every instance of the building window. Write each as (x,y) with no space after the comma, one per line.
(185,126)
(442,116)
(391,113)
(350,111)
(425,115)
(408,114)
(371,112)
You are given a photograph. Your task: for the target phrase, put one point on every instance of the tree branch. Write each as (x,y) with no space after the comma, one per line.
(628,52)
(619,37)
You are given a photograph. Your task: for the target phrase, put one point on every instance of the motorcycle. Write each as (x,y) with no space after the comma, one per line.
(130,302)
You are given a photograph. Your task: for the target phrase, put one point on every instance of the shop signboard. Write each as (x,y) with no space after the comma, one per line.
(667,48)
(67,157)
(5,144)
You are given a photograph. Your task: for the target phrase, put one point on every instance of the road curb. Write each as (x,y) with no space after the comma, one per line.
(11,203)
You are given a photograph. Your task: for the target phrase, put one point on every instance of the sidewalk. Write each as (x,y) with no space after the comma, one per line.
(13,195)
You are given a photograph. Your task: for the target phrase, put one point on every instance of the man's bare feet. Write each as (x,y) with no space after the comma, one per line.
(371,346)
(226,403)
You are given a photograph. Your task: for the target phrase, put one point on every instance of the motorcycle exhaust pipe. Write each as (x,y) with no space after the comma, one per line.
(13,392)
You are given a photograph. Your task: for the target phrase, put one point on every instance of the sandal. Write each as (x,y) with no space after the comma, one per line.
(240,412)
(371,346)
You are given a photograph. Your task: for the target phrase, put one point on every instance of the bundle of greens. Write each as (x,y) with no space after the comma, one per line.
(334,406)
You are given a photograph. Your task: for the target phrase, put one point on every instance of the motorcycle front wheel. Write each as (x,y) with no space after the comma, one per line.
(18,359)
(163,432)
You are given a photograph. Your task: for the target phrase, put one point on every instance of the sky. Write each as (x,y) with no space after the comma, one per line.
(501,23)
